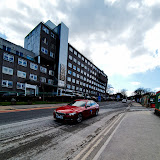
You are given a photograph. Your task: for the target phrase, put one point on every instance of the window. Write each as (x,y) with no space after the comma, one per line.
(69,72)
(44,39)
(77,75)
(74,74)
(30,58)
(20,85)
(77,88)
(70,57)
(79,63)
(52,54)
(85,73)
(44,50)
(71,49)
(82,65)
(85,67)
(52,35)
(74,67)
(33,77)
(7,70)
(73,87)
(80,89)
(78,69)
(70,65)
(82,71)
(77,81)
(6,83)
(43,79)
(82,58)
(68,86)
(21,74)
(51,73)
(75,52)
(43,69)
(45,30)
(8,57)
(74,60)
(84,78)
(5,48)
(22,62)
(81,77)
(50,81)
(85,60)
(81,83)
(73,80)
(79,55)
(69,79)
(33,66)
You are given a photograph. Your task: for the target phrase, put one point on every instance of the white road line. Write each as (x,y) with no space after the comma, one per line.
(108,128)
(106,143)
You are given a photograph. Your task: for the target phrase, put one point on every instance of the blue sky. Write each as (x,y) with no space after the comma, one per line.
(120,37)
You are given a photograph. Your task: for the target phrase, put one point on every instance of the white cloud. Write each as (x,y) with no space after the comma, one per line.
(157,89)
(135,83)
(150,3)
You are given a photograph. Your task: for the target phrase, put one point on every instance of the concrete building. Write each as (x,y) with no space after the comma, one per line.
(48,63)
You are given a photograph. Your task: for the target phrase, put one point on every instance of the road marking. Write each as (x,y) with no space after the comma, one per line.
(105,131)
(106,143)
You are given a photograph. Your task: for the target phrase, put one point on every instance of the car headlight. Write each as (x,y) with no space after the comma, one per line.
(72,114)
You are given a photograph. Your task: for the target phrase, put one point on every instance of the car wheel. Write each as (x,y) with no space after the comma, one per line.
(96,114)
(79,118)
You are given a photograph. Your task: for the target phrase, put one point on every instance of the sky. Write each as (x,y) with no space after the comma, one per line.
(121,37)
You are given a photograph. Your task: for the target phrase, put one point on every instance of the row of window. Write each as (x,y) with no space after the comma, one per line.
(45,51)
(47,31)
(5,48)
(84,84)
(23,63)
(9,84)
(84,78)
(82,89)
(22,74)
(78,69)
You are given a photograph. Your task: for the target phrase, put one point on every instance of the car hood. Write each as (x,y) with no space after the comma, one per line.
(69,109)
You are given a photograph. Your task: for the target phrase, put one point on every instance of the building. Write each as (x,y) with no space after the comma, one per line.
(48,63)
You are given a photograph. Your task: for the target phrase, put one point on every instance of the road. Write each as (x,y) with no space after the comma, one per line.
(35,135)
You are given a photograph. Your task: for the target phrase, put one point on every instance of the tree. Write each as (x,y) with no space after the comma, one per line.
(123,92)
(110,89)
(140,91)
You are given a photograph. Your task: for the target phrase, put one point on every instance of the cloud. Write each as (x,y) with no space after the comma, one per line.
(135,83)
(157,89)
(119,37)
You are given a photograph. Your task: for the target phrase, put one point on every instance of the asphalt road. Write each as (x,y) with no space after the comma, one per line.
(36,135)
(13,117)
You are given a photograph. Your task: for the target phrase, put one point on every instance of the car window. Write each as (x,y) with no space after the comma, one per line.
(78,103)
(93,103)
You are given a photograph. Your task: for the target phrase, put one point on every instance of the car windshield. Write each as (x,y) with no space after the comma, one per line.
(78,103)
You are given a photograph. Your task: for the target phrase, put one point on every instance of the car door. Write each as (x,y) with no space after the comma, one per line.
(93,107)
(88,110)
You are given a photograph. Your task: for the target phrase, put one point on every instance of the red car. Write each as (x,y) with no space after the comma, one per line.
(77,110)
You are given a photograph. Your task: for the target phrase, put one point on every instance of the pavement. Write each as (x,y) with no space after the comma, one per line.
(135,138)
(17,108)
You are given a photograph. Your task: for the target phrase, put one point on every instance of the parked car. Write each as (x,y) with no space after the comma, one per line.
(77,110)
(124,100)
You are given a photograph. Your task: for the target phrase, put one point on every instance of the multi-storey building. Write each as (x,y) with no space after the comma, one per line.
(48,63)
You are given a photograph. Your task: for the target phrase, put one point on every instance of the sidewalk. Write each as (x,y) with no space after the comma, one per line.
(13,108)
(136,138)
